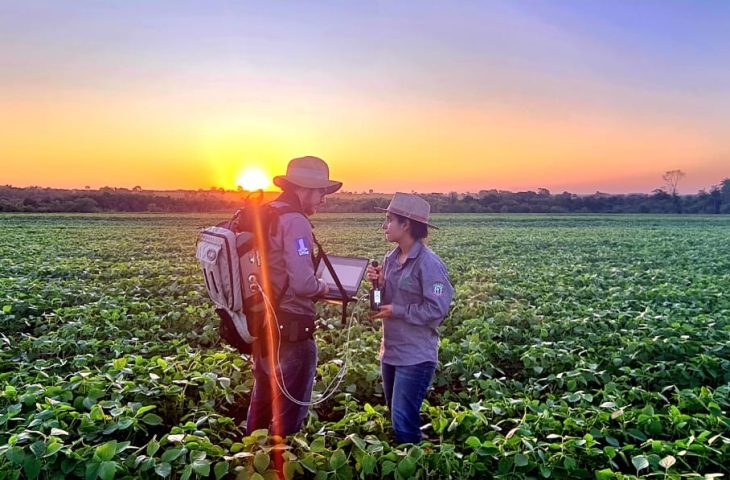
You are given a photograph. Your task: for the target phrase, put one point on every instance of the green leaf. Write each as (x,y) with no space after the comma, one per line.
(197,455)
(357,441)
(569,463)
(368,463)
(53,447)
(473,442)
(201,467)
(106,451)
(38,448)
(317,445)
(308,462)
(163,469)
(171,455)
(338,459)
(545,471)
(637,434)
(292,470)
(605,474)
(261,462)
(15,455)
(152,447)
(7,308)
(220,470)
(187,472)
(152,419)
(640,463)
(521,460)
(31,467)
(407,467)
(92,468)
(610,452)
(107,470)
(388,468)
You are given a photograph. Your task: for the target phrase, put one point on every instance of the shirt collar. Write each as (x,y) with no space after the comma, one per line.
(413,253)
(290,199)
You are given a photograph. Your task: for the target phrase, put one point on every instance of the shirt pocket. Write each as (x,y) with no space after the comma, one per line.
(410,289)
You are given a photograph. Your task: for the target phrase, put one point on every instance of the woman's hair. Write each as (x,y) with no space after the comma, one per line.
(419,230)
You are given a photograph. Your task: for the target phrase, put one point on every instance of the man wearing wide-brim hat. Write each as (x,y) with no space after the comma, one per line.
(294,286)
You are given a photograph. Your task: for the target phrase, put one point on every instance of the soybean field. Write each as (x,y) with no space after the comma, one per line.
(576,347)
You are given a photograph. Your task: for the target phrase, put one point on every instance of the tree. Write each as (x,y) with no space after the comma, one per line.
(671,180)
(725,190)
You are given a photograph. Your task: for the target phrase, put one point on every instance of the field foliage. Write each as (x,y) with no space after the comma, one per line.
(577,347)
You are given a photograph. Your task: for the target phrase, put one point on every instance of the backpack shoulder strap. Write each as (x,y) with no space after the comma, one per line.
(273,212)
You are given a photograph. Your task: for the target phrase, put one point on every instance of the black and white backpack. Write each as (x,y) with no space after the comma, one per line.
(233,256)
(232,260)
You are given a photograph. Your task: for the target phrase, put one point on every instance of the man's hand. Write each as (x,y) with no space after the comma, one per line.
(326,289)
(386,311)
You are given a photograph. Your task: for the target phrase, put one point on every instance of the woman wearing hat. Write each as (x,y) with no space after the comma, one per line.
(416,297)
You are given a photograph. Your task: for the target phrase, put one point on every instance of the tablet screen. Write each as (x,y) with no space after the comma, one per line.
(350,271)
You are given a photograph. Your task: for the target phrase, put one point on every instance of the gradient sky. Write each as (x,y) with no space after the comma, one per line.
(426,96)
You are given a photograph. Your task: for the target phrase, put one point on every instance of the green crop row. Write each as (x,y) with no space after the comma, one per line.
(577,347)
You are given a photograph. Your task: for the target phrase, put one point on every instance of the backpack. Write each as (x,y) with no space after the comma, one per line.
(232,263)
(233,260)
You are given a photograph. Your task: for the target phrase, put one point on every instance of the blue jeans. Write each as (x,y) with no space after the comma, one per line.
(269,408)
(405,388)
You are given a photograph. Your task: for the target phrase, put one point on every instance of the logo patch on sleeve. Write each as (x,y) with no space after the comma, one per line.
(302,248)
(438,289)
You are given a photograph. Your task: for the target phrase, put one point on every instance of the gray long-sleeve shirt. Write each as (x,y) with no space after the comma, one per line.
(290,257)
(420,292)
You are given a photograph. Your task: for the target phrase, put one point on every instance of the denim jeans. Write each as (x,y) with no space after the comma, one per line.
(405,388)
(269,408)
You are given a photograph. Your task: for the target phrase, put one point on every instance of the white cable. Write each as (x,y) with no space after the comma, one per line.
(339,377)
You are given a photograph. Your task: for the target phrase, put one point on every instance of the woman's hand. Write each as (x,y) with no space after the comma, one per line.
(386,311)
(375,274)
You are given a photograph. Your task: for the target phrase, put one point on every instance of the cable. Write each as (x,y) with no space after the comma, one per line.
(280,381)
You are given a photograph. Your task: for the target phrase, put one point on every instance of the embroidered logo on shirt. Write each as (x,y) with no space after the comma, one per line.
(438,289)
(302,248)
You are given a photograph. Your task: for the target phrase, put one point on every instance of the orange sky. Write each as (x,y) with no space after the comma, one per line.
(406,114)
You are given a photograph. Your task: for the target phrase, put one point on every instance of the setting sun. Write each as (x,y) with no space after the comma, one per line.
(253,179)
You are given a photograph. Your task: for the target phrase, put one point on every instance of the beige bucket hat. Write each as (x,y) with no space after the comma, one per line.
(308,172)
(410,206)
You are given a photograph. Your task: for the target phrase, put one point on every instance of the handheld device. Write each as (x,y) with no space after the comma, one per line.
(375,293)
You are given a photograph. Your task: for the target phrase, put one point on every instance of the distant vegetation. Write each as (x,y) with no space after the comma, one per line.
(663,200)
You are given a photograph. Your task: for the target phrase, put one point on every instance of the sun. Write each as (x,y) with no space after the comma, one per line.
(252,179)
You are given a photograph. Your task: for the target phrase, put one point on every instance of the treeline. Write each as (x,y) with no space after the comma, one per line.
(714,201)
(35,199)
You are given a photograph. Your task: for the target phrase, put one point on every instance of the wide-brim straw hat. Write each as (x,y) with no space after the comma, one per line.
(308,172)
(410,206)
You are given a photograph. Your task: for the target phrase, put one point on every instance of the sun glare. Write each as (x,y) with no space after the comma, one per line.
(253,179)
